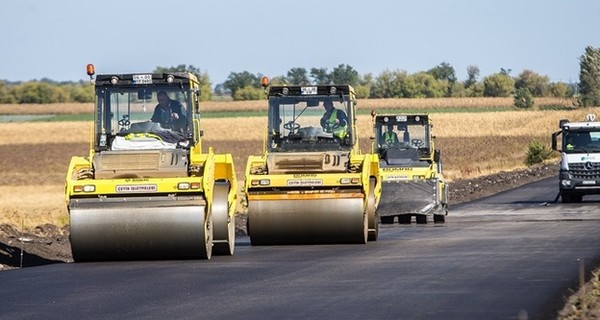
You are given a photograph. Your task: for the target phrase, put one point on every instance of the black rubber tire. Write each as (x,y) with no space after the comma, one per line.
(404,218)
(438,218)
(387,220)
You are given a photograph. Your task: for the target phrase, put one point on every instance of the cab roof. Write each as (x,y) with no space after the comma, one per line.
(333,90)
(129,79)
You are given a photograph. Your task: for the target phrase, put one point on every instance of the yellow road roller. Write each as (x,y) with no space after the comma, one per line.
(147,190)
(311,185)
(411,169)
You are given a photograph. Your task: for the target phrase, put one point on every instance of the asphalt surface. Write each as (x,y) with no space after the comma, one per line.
(511,255)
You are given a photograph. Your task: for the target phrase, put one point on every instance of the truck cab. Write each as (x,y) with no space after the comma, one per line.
(580,158)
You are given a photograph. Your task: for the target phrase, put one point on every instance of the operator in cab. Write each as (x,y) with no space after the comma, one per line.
(170,114)
(334,120)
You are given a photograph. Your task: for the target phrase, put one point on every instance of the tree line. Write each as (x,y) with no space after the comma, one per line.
(439,81)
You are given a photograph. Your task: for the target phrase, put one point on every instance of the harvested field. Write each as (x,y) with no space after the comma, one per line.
(34,155)
(258,105)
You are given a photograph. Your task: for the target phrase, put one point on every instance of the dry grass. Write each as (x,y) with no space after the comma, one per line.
(55,108)
(260,105)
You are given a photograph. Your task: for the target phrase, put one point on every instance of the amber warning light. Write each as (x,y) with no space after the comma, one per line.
(264,81)
(90,69)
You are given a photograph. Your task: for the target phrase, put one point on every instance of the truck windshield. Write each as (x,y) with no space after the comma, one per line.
(581,141)
(402,134)
(316,123)
(123,111)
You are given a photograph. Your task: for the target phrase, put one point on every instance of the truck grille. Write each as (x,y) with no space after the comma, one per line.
(585,171)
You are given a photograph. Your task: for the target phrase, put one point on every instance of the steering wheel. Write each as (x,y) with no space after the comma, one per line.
(330,127)
(417,142)
(125,121)
(292,126)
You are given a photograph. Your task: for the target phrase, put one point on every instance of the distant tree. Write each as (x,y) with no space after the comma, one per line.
(498,85)
(363,89)
(426,86)
(388,84)
(458,90)
(534,82)
(279,81)
(6,94)
(589,77)
(472,75)
(249,93)
(237,81)
(320,76)
(523,98)
(297,76)
(219,90)
(81,93)
(38,93)
(203,78)
(560,90)
(345,74)
(444,72)
(505,72)
(475,90)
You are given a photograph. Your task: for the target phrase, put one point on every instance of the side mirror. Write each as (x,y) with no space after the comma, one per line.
(554,137)
(437,154)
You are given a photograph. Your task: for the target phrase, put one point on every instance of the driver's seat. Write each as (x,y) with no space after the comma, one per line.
(406,137)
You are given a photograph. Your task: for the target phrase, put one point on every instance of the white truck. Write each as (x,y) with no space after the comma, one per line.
(580,158)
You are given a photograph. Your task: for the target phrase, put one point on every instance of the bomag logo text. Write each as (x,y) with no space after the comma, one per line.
(305,175)
(397,169)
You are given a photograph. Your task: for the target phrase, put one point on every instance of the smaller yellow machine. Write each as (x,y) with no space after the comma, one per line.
(411,169)
(312,184)
(147,190)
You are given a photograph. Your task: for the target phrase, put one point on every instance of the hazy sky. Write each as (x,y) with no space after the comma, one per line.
(56,39)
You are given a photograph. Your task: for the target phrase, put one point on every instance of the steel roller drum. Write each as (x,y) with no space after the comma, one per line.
(126,229)
(307,221)
(414,197)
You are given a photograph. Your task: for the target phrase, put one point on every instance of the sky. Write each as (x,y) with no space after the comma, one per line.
(55,39)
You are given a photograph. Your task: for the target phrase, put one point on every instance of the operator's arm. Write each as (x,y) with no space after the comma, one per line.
(342,118)
(180,112)
(155,115)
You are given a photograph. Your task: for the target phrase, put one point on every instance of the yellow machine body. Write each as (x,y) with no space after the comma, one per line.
(311,184)
(148,190)
(411,169)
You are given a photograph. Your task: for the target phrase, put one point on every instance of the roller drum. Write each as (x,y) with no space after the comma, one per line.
(414,197)
(223,223)
(140,229)
(307,221)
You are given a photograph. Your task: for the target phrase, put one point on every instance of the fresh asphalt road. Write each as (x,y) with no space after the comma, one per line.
(513,254)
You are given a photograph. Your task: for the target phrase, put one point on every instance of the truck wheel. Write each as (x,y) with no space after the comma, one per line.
(421,219)
(571,198)
(404,218)
(438,218)
(387,220)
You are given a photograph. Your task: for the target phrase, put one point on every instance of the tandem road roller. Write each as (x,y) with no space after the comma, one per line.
(147,190)
(411,169)
(312,185)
